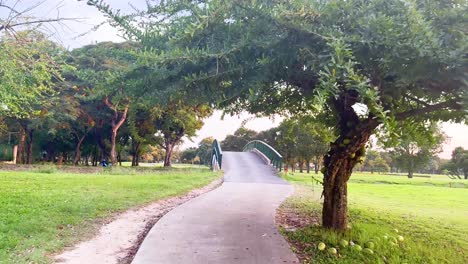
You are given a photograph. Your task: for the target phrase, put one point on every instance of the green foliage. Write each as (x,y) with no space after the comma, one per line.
(458,165)
(416,145)
(238,140)
(27,74)
(303,139)
(189,155)
(272,56)
(205,150)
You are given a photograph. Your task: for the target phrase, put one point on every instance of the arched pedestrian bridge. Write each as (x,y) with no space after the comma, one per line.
(231,224)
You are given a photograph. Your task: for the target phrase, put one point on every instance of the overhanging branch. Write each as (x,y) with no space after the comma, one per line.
(428,109)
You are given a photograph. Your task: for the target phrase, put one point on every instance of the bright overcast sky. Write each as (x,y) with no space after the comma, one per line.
(71,36)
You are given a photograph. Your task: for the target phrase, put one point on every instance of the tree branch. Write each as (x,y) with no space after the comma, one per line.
(428,109)
(123,117)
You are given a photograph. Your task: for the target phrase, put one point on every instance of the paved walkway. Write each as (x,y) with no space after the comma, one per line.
(231,224)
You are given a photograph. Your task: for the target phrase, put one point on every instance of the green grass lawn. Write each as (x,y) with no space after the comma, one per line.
(431,217)
(40,213)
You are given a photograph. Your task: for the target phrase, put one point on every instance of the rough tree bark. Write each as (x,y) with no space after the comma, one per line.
(29,143)
(169,145)
(117,121)
(343,155)
(167,158)
(20,158)
(349,149)
(136,153)
(78,149)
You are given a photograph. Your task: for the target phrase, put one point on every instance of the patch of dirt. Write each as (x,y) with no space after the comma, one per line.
(290,219)
(118,240)
(39,167)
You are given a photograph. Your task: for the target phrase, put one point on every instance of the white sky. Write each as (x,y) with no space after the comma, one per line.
(69,36)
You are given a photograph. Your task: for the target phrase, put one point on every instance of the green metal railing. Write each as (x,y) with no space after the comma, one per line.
(216,155)
(275,158)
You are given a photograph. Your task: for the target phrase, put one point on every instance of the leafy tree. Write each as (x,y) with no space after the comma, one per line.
(286,142)
(142,127)
(29,79)
(104,70)
(364,65)
(27,73)
(153,154)
(416,145)
(189,155)
(458,165)
(238,140)
(177,120)
(313,141)
(205,150)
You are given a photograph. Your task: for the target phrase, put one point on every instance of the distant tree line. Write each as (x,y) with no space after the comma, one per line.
(303,141)
(84,106)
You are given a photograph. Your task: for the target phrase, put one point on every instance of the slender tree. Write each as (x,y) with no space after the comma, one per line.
(177,120)
(416,145)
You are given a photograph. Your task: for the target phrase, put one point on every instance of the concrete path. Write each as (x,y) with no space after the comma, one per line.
(231,224)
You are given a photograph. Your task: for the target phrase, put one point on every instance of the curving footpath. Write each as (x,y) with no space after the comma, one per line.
(231,224)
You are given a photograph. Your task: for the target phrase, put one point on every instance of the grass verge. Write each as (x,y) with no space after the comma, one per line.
(43,211)
(430,219)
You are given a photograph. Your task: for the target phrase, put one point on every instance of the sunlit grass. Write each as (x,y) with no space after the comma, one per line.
(41,213)
(430,217)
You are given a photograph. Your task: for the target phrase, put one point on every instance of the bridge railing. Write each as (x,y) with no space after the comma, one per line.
(216,156)
(275,158)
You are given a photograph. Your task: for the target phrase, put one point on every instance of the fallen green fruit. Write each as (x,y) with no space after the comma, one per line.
(344,243)
(400,238)
(370,245)
(332,251)
(321,246)
(368,251)
(357,247)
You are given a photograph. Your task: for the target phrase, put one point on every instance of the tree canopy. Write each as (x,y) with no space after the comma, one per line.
(362,65)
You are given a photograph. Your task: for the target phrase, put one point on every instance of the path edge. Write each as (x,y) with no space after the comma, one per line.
(149,225)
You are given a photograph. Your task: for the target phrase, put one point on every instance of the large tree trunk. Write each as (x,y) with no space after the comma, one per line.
(29,143)
(316,166)
(60,159)
(78,150)
(410,169)
(20,157)
(344,154)
(308,166)
(136,153)
(117,122)
(113,154)
(167,158)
